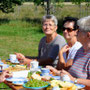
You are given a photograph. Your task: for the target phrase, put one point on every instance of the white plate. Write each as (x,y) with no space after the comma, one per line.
(11,79)
(18,82)
(4,66)
(56,77)
(80,86)
(16,61)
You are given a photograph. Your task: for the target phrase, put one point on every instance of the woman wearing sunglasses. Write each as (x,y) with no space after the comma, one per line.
(70,30)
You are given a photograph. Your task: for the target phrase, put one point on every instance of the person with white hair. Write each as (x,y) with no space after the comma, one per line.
(49,45)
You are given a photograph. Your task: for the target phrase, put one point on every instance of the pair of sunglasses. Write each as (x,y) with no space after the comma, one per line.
(68,29)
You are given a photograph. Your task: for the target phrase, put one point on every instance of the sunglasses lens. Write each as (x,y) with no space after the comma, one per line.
(68,29)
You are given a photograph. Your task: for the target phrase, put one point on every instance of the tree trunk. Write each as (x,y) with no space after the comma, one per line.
(48,7)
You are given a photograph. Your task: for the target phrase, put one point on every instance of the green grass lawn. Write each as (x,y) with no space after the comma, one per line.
(19,36)
(4,87)
(21,31)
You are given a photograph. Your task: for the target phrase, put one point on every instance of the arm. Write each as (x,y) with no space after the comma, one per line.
(23,59)
(45,62)
(53,70)
(85,82)
(4,75)
(28,60)
(61,63)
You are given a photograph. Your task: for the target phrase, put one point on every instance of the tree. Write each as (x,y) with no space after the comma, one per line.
(8,5)
(48,8)
(49,4)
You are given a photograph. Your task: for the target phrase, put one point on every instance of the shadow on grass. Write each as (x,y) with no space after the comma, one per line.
(34,22)
(4,21)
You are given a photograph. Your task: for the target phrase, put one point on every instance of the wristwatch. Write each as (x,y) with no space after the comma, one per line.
(75,81)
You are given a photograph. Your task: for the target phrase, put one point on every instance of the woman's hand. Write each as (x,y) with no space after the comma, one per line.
(20,56)
(64,49)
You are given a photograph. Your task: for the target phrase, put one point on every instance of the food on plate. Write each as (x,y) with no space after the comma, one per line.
(36,76)
(63,84)
(38,72)
(16,68)
(36,83)
(29,75)
(47,78)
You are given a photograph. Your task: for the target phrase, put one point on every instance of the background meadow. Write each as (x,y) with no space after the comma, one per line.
(21,31)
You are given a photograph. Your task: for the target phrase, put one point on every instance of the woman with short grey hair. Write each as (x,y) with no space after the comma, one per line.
(52,17)
(49,45)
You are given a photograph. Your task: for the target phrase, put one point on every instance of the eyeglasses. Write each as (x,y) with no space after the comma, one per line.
(50,25)
(68,29)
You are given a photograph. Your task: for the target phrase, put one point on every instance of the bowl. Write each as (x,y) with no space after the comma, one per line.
(35,88)
(30,85)
(45,71)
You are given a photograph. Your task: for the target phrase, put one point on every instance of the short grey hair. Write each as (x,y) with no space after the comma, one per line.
(52,17)
(84,24)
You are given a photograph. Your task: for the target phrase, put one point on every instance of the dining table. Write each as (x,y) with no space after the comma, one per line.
(17,87)
(14,87)
(20,87)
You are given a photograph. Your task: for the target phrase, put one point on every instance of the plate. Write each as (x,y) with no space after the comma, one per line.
(46,75)
(18,82)
(16,61)
(36,87)
(4,66)
(80,86)
(56,77)
(11,79)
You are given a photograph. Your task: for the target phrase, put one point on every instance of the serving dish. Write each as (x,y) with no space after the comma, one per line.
(36,88)
(35,84)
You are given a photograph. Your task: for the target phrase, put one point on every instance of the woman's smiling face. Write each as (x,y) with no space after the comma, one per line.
(68,31)
(49,27)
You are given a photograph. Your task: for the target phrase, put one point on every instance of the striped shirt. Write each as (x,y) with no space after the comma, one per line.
(81,65)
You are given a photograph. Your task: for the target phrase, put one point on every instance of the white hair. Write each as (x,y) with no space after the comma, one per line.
(52,17)
(84,24)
